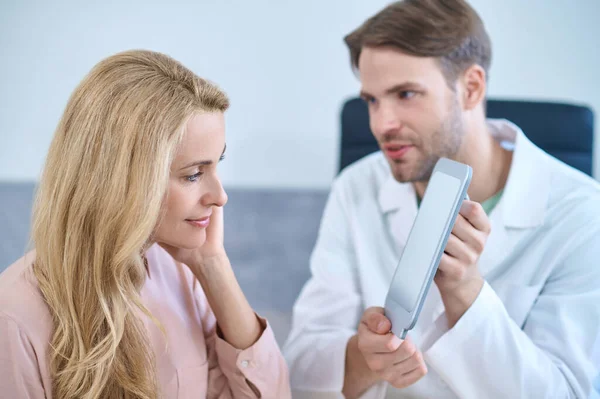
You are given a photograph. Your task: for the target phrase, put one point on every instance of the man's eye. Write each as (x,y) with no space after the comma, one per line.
(407,94)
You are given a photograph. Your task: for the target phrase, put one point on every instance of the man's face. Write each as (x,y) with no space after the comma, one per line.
(413,114)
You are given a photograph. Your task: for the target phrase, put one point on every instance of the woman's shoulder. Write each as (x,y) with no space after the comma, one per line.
(21,300)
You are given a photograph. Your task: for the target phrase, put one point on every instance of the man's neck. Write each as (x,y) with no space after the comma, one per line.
(490,163)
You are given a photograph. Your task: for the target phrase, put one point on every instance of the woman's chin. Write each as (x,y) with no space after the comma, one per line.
(195,241)
(191,242)
(182,239)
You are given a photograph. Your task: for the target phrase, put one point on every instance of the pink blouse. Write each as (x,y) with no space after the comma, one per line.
(191,362)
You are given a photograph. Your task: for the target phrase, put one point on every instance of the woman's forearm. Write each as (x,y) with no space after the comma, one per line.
(236,319)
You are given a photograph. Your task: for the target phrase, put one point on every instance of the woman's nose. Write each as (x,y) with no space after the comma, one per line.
(216,195)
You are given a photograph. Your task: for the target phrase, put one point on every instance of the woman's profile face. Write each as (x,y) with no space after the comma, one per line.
(194,186)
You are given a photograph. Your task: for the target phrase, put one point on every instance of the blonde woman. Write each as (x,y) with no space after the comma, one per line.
(129,292)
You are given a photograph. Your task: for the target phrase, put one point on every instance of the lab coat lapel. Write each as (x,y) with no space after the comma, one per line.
(524,201)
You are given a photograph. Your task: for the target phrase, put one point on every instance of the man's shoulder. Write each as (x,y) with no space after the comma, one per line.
(574,199)
(569,184)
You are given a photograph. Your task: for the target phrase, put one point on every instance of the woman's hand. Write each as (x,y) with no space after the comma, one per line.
(210,264)
(211,253)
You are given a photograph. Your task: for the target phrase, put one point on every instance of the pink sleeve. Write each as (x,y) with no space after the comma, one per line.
(259,371)
(19,371)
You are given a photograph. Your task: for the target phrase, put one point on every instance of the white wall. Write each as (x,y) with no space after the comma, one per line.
(283,64)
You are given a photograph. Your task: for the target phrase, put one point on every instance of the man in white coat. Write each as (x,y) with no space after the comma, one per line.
(515,308)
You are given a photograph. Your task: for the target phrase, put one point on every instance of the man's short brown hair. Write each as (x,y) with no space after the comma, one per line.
(450,30)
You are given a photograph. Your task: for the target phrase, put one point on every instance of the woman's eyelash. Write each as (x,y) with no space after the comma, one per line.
(194,177)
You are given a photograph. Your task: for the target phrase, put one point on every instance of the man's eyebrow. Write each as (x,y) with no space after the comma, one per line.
(406,86)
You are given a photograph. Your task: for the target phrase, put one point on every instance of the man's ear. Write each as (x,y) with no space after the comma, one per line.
(474,85)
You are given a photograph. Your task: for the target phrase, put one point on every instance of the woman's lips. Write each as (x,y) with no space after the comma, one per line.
(202,223)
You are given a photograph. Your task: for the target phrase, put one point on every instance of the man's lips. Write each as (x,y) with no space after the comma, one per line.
(397,151)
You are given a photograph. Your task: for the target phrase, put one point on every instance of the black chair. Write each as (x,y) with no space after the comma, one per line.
(565,131)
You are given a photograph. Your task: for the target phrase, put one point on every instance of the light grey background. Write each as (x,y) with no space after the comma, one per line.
(282,62)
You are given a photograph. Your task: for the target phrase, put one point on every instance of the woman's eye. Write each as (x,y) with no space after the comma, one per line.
(193,178)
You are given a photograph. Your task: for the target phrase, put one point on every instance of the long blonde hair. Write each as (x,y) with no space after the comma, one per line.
(98,202)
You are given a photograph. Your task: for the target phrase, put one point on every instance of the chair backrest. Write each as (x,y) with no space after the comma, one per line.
(565,131)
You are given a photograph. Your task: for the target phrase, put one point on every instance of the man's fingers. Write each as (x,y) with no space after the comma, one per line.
(410,377)
(406,350)
(455,247)
(450,267)
(402,372)
(463,251)
(380,362)
(475,214)
(376,321)
(372,343)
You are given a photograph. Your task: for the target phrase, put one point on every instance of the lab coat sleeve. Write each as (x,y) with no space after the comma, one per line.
(487,355)
(328,309)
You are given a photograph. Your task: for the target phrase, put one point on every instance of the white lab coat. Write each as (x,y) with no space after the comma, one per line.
(531,331)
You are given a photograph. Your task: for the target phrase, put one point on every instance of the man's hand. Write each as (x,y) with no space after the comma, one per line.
(458,277)
(374,354)
(390,358)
